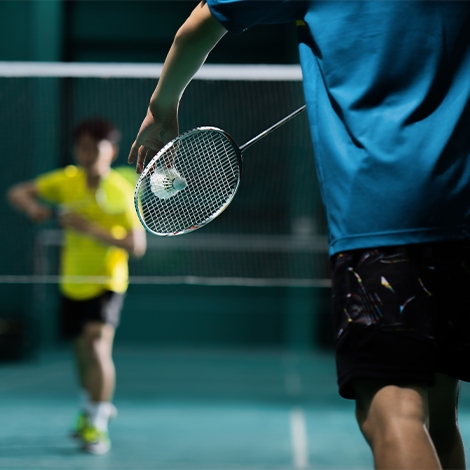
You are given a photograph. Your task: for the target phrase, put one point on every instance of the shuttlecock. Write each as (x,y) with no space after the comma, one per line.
(166,182)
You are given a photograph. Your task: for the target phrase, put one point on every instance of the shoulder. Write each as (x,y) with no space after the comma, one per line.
(61,175)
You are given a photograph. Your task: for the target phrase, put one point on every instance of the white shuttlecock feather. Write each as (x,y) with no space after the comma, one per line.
(166,182)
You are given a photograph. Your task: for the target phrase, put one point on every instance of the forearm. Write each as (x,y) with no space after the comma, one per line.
(24,197)
(21,199)
(133,242)
(192,43)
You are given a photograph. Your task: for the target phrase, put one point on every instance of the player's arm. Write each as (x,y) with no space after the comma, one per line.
(191,46)
(25,198)
(133,241)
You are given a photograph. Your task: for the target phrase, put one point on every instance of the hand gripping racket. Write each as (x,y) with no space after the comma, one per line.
(192,180)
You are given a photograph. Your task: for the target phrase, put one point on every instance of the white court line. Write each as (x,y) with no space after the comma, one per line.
(299,438)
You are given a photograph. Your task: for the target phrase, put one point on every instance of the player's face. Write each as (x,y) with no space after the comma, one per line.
(90,152)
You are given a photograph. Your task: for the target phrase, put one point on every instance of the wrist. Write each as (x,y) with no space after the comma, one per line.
(159,108)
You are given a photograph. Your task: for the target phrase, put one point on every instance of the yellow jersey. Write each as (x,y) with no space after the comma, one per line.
(110,206)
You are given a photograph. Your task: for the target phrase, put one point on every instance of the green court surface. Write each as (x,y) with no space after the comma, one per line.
(189,410)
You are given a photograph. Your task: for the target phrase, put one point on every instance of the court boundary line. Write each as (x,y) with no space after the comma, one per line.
(299,442)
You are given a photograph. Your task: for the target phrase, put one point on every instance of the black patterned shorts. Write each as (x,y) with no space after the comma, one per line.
(402,313)
(75,314)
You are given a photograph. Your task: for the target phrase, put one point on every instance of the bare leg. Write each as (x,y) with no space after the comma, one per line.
(80,361)
(95,365)
(393,420)
(443,424)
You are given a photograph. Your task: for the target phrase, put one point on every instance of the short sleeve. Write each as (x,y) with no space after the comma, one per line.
(238,15)
(50,185)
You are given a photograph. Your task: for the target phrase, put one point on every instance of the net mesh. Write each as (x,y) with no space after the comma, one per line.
(274,231)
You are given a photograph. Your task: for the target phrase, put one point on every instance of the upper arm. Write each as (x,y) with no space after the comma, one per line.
(202,26)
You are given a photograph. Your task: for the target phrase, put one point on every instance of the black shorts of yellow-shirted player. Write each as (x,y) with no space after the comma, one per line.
(93,201)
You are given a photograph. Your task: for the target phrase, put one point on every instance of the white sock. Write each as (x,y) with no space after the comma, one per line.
(99,413)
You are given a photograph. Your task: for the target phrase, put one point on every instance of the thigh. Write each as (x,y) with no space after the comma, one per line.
(384,316)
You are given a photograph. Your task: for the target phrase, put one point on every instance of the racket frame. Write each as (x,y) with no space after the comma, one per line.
(152,163)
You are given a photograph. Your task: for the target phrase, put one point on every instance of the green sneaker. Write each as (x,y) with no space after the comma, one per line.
(95,441)
(82,421)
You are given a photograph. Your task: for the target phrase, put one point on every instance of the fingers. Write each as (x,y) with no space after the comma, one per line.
(139,152)
(154,133)
(132,153)
(141,156)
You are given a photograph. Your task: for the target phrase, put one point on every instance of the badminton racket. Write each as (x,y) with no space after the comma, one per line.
(192,179)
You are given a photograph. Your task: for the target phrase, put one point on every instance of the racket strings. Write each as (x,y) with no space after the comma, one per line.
(210,164)
(210,177)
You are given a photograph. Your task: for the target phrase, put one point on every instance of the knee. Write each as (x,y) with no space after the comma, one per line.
(383,413)
(97,340)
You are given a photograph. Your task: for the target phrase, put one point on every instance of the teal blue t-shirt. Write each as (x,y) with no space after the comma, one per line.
(387,87)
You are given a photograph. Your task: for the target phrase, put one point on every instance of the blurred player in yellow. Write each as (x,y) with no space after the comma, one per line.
(95,208)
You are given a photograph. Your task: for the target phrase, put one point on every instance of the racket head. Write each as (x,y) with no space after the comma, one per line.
(211,164)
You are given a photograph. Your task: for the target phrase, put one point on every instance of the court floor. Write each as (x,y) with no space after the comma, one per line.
(189,410)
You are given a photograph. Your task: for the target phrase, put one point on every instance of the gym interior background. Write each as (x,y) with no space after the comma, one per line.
(182,315)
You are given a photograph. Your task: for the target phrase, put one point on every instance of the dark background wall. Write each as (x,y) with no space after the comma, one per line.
(142,31)
(123,31)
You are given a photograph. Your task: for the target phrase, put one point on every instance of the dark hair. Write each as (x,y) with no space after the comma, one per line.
(98,128)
